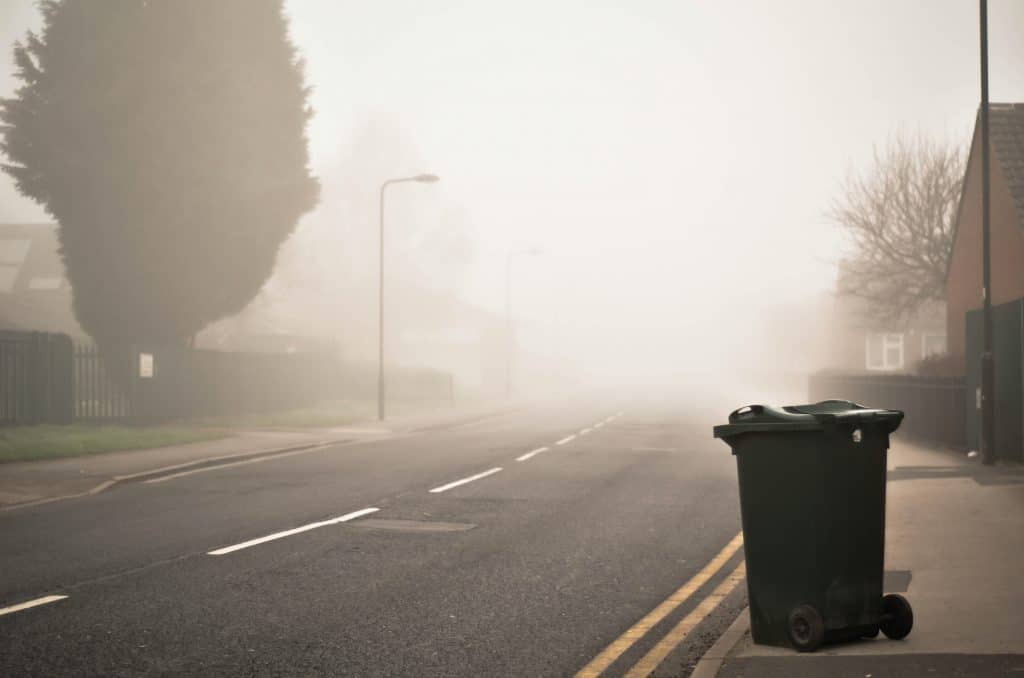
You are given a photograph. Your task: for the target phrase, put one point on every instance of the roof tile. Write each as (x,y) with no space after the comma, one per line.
(1006,134)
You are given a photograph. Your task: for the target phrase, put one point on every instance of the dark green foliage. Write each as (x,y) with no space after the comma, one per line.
(167,138)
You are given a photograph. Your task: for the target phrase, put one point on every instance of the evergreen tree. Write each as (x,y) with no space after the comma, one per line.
(167,139)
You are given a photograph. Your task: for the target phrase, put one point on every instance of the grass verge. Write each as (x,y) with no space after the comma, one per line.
(32,443)
(35,443)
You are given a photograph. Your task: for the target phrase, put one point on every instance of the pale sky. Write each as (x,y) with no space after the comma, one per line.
(673,159)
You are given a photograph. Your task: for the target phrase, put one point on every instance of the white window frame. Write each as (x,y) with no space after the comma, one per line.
(887,340)
(924,343)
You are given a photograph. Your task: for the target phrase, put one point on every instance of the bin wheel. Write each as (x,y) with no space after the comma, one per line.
(897,617)
(806,628)
(872,633)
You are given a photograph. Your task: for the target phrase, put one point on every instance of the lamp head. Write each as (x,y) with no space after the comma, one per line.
(426,178)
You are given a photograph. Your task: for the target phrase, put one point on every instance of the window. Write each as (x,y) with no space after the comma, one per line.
(884,351)
(146,366)
(933,343)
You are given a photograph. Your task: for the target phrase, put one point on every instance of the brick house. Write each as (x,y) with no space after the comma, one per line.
(34,292)
(861,344)
(963,278)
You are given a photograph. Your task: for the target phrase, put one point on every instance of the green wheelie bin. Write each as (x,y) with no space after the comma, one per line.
(812,501)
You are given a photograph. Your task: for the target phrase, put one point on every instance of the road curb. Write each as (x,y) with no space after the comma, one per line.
(711,661)
(157,472)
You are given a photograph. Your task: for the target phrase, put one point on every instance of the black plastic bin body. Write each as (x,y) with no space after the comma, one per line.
(812,499)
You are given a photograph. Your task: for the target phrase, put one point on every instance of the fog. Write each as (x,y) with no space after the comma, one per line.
(672,161)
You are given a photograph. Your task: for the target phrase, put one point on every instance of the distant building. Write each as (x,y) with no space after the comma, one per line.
(963,279)
(426,328)
(860,344)
(34,291)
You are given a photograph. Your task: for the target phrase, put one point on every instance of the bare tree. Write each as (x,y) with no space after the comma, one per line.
(899,216)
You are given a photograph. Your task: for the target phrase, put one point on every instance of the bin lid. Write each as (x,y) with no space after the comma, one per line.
(811,417)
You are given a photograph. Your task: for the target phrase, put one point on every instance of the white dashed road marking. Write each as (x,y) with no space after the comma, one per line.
(567,439)
(287,533)
(29,604)
(470,479)
(531,454)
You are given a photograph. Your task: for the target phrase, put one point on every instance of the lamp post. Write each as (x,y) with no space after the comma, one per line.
(988,362)
(532,251)
(419,178)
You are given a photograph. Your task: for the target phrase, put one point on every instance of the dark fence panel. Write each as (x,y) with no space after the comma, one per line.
(934,406)
(45,379)
(35,378)
(189,383)
(97,396)
(195,383)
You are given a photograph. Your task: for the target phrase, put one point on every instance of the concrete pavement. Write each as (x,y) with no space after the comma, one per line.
(955,542)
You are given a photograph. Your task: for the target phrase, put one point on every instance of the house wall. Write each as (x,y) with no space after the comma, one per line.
(851,328)
(963,283)
(24,305)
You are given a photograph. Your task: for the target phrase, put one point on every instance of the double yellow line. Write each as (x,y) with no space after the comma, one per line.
(638,630)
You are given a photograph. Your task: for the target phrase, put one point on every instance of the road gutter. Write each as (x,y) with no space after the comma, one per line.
(711,661)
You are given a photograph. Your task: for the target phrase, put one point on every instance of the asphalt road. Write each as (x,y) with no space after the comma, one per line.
(531,570)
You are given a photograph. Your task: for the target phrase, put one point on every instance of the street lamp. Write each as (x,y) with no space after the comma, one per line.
(988,363)
(532,251)
(422,179)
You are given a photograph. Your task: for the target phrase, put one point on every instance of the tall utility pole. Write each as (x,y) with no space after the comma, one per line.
(381,396)
(988,362)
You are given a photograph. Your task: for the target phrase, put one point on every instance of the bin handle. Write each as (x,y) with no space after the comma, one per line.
(745,411)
